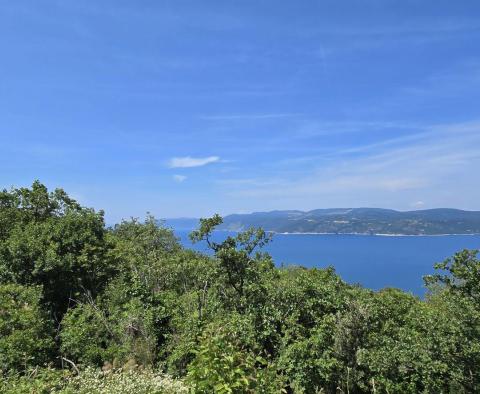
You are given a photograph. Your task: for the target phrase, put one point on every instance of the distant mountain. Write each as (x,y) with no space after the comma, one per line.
(360,221)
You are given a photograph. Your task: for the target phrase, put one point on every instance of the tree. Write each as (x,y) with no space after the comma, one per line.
(455,291)
(48,239)
(129,319)
(305,303)
(461,275)
(239,267)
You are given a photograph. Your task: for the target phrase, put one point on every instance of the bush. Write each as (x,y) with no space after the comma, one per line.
(92,381)
(25,332)
(85,335)
(35,381)
(223,364)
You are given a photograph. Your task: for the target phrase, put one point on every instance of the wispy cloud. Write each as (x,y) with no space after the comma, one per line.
(427,168)
(187,161)
(249,116)
(419,32)
(179,178)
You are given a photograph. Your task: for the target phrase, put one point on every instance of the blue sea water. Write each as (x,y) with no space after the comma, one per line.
(372,261)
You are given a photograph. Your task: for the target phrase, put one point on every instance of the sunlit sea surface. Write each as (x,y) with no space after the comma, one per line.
(373,261)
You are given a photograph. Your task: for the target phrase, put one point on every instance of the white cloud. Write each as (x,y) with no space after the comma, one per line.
(179,178)
(418,204)
(187,161)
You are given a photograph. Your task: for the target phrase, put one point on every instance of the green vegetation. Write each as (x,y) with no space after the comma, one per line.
(357,221)
(87,309)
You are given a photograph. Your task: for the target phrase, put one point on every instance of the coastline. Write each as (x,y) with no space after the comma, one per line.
(359,234)
(375,234)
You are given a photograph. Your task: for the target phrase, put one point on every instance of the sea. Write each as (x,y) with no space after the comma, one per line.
(373,261)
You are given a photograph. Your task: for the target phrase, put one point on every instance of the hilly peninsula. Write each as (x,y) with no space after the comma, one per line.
(360,221)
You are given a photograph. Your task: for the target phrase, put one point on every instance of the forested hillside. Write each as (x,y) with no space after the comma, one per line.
(90,309)
(360,221)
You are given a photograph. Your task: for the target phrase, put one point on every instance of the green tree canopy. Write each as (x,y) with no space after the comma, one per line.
(48,239)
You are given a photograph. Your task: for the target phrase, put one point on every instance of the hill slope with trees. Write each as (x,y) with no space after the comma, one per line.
(360,221)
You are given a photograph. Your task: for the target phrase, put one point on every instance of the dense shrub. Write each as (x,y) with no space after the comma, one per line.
(225,363)
(35,381)
(76,295)
(26,335)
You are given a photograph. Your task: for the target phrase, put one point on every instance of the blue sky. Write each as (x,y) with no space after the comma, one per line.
(186,108)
